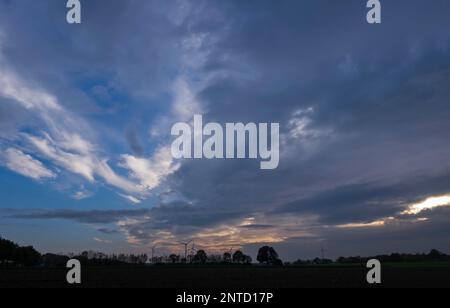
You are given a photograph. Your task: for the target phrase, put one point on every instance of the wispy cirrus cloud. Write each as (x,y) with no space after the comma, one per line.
(150,172)
(64,140)
(131,199)
(24,164)
(81,194)
(102,241)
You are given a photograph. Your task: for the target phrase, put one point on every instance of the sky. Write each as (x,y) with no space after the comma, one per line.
(86,113)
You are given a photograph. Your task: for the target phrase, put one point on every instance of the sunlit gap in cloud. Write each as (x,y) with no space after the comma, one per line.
(428,204)
(378,223)
(413,209)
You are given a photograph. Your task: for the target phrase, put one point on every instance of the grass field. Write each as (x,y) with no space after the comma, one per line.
(404,275)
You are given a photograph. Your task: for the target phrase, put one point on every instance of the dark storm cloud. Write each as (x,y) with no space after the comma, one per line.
(403,236)
(188,215)
(90,217)
(101,44)
(298,53)
(258,227)
(389,112)
(380,91)
(163,216)
(181,220)
(368,202)
(108,231)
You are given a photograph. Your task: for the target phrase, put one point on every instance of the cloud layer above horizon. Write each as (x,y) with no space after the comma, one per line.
(363,113)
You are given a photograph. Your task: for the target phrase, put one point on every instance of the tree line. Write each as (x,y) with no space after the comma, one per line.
(11,254)
(433,256)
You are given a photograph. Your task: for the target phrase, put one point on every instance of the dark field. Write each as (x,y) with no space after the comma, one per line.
(230,277)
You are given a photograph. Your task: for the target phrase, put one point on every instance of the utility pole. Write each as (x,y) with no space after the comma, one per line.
(322,251)
(192,251)
(153,254)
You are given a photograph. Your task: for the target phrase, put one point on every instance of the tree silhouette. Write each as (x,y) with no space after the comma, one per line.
(238,257)
(268,255)
(200,257)
(436,255)
(174,258)
(11,252)
(52,260)
(227,257)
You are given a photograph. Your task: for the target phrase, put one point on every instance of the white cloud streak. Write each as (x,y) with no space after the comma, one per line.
(150,172)
(131,199)
(26,165)
(64,140)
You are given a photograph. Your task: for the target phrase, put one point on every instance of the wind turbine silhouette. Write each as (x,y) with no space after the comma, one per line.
(185,248)
(193,250)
